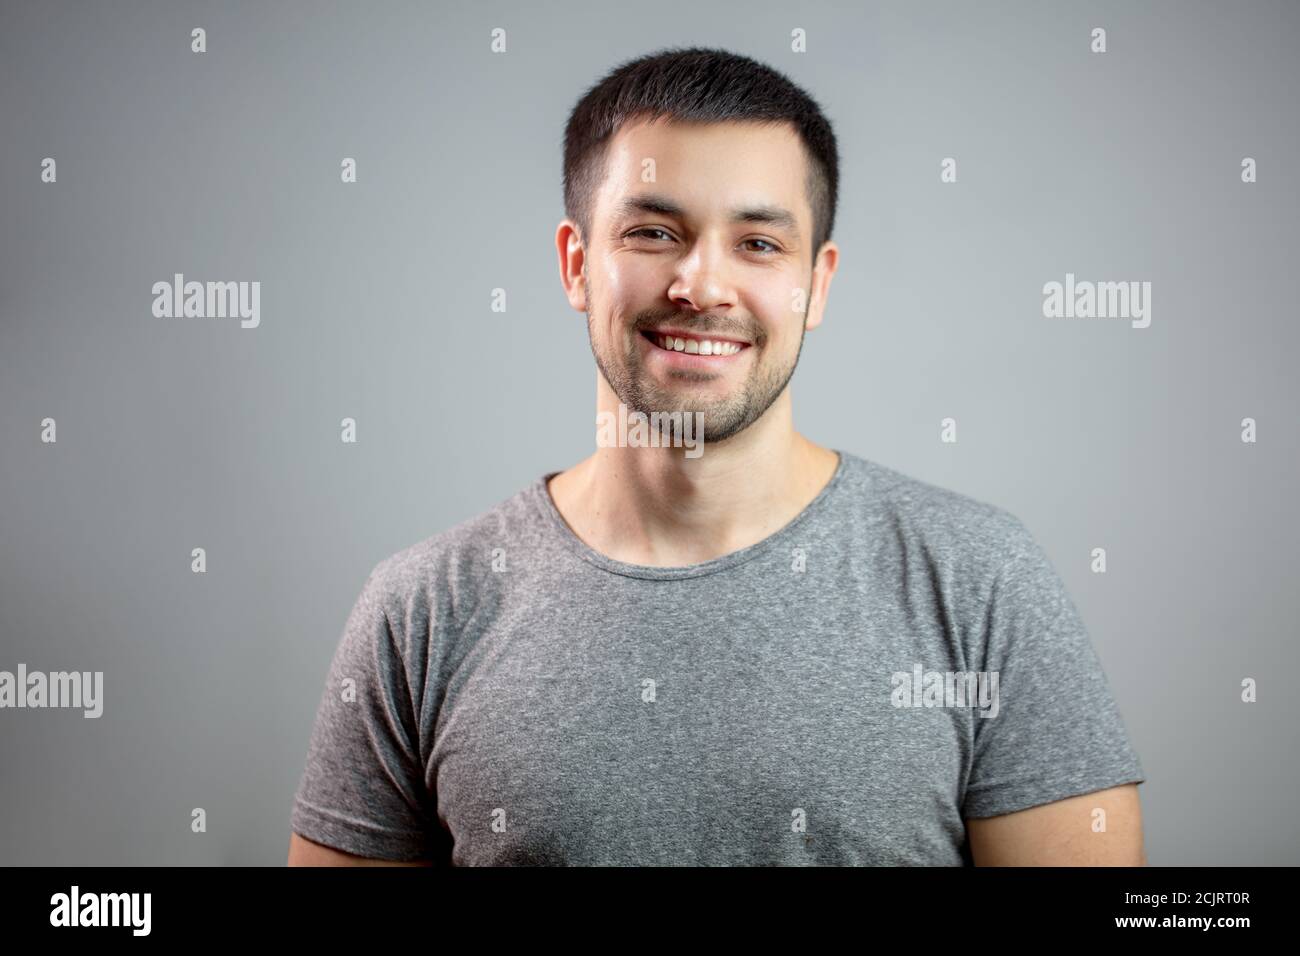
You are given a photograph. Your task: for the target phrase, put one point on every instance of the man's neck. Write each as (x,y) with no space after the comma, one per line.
(656,507)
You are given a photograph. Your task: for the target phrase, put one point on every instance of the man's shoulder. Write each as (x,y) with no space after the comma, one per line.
(943,522)
(462,557)
(973,551)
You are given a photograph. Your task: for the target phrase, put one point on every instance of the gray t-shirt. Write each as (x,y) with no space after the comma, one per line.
(504,694)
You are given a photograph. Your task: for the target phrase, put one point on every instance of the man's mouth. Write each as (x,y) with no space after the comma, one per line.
(691,344)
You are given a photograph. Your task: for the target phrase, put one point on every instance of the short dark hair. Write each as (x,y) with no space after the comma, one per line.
(695,84)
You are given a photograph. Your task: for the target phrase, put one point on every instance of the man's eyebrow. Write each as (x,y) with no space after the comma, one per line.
(767,214)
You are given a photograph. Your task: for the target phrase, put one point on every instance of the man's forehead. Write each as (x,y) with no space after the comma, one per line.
(671,128)
(730,143)
(696,162)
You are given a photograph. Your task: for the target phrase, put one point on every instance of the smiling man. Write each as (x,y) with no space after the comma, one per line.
(769,653)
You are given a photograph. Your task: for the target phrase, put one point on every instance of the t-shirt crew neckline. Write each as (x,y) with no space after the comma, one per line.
(542,498)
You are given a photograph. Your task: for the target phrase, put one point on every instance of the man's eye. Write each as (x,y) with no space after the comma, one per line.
(648,232)
(641,232)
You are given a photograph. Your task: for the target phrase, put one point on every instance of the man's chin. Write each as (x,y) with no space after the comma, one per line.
(681,390)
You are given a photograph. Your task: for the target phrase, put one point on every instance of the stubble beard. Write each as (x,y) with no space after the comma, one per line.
(722,418)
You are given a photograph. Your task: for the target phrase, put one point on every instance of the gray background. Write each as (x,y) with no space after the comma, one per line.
(175,434)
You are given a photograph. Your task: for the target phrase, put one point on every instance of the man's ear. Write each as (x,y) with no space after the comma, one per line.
(573,263)
(828,259)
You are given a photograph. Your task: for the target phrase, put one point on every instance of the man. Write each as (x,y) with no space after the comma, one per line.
(754,651)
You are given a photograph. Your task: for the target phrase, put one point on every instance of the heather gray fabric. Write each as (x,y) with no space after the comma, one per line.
(522,699)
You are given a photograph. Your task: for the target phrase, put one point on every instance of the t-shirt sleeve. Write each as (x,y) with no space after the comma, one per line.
(1057,732)
(363,788)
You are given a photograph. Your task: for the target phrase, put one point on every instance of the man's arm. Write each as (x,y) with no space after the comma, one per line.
(304,852)
(1062,833)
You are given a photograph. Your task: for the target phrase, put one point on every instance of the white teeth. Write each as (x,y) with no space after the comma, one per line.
(697,346)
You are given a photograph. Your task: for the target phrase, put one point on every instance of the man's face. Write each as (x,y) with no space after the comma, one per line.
(703,230)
